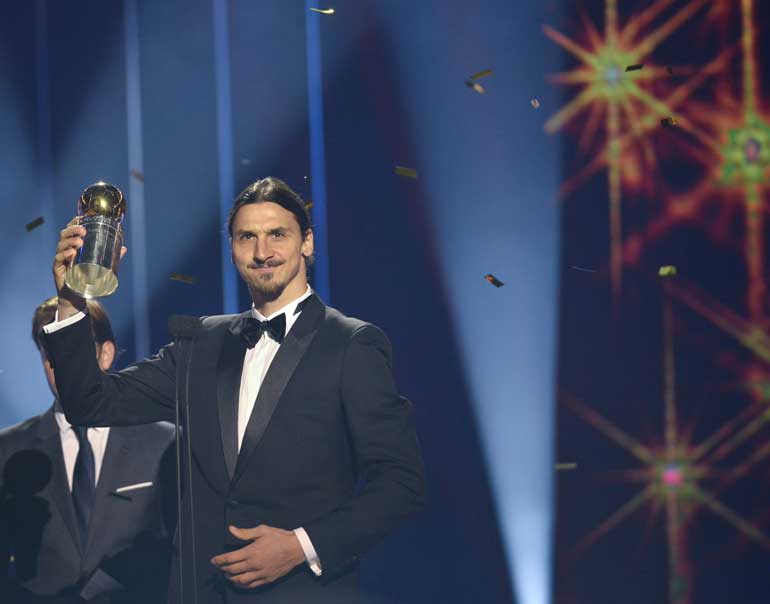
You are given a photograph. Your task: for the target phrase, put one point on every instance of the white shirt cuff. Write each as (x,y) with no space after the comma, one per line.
(57,325)
(310,554)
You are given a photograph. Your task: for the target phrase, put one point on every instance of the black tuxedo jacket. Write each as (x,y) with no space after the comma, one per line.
(129,534)
(327,414)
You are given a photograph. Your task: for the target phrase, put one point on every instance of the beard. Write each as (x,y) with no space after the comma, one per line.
(267,286)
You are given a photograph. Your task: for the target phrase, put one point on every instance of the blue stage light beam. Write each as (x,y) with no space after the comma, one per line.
(491,178)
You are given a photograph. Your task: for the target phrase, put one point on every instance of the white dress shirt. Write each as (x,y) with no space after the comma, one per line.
(70,446)
(256,362)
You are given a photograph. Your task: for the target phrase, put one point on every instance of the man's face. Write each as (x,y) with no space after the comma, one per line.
(269,250)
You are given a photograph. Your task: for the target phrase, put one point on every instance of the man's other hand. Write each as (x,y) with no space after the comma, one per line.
(271,554)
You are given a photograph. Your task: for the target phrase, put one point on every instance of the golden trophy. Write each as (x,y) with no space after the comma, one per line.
(93,273)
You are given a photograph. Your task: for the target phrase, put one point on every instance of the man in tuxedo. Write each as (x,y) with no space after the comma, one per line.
(304,455)
(81,513)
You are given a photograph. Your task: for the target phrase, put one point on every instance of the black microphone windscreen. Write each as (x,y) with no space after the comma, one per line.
(184,326)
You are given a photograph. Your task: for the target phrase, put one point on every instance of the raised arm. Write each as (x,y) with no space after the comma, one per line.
(140,394)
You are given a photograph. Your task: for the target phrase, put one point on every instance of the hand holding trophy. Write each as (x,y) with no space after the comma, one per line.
(90,248)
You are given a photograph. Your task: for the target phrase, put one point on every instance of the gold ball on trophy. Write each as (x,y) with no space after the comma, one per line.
(102,199)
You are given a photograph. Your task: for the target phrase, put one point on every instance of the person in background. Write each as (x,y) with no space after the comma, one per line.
(85,513)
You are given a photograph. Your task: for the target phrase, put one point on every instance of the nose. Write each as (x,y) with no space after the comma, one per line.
(262,251)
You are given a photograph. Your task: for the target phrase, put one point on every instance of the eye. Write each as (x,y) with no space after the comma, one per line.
(278,234)
(245,236)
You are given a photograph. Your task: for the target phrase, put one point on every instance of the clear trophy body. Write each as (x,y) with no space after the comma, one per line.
(94,271)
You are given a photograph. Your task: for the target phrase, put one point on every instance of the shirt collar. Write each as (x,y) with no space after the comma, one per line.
(64,425)
(289,309)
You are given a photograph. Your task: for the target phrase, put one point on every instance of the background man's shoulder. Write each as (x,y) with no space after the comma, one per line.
(21,430)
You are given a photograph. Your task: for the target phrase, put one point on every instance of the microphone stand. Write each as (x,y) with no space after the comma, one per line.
(184,329)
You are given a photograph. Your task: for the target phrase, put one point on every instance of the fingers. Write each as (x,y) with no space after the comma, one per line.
(70,240)
(247,534)
(123,250)
(249,580)
(230,558)
(239,567)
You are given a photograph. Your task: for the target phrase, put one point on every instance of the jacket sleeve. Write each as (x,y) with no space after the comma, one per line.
(140,394)
(387,454)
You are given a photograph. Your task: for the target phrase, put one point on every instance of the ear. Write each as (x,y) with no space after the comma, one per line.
(307,244)
(105,355)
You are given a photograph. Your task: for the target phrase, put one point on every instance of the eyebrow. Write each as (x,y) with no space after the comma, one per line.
(251,231)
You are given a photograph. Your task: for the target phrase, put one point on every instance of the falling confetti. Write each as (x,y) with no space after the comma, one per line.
(566,466)
(669,122)
(481,74)
(582,269)
(31,226)
(635,67)
(138,175)
(308,205)
(182,278)
(476,86)
(245,161)
(494,280)
(408,172)
(668,270)
(323,11)
(535,103)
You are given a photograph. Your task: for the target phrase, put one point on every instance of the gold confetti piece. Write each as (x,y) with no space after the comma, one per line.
(182,278)
(566,466)
(669,122)
(481,74)
(635,67)
(308,205)
(408,172)
(535,103)
(494,280)
(138,175)
(668,270)
(476,86)
(323,11)
(31,226)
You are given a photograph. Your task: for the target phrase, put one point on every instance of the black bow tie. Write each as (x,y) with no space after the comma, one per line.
(252,329)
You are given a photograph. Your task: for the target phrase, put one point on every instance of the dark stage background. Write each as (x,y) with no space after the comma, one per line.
(663,379)
(555,174)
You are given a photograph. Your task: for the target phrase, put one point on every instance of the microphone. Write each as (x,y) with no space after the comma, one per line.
(185,330)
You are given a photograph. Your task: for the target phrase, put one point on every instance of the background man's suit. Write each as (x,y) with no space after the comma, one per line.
(128,533)
(327,412)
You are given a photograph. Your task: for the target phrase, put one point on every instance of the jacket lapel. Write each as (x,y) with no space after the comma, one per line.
(50,443)
(289,354)
(229,369)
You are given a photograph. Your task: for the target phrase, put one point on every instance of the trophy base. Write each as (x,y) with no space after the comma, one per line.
(91,280)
